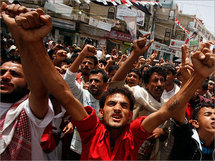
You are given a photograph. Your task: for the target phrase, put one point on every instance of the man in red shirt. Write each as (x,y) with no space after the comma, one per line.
(113,137)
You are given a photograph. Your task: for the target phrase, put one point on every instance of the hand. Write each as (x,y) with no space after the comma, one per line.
(203,60)
(156,133)
(25,25)
(68,128)
(154,55)
(186,67)
(161,61)
(103,48)
(101,66)
(89,50)
(140,46)
(111,60)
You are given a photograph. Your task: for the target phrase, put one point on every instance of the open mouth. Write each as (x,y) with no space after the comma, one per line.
(5,85)
(213,125)
(117,117)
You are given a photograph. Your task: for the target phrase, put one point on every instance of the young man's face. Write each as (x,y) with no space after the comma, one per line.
(156,85)
(87,65)
(169,78)
(116,112)
(132,79)
(206,120)
(96,84)
(13,83)
(112,73)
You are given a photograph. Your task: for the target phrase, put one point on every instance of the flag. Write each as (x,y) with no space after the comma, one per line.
(131,22)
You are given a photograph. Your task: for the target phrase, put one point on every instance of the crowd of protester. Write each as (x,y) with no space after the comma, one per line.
(43,116)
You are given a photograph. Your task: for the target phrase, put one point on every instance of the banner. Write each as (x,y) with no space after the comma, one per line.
(176,44)
(131,22)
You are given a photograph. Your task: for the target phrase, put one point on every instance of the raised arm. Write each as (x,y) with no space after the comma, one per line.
(140,48)
(203,62)
(38,97)
(28,30)
(88,50)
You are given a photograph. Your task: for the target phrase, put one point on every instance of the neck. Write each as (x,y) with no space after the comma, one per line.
(97,96)
(85,77)
(207,138)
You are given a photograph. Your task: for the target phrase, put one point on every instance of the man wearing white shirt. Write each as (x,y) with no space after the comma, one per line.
(170,88)
(97,84)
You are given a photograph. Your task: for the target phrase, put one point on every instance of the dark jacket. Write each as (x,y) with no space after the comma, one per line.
(187,144)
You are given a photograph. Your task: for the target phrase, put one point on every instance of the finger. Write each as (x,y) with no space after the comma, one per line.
(35,18)
(18,20)
(198,55)
(207,57)
(10,8)
(22,9)
(189,67)
(205,45)
(206,50)
(141,42)
(209,60)
(3,6)
(23,21)
(183,54)
(45,29)
(156,53)
(208,44)
(146,35)
(149,44)
(40,12)
(30,19)
(15,9)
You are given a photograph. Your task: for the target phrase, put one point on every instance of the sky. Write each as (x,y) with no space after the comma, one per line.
(203,9)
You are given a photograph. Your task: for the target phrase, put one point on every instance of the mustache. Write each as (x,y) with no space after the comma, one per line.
(159,88)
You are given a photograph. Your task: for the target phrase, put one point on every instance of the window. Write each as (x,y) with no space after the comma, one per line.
(111,12)
(85,7)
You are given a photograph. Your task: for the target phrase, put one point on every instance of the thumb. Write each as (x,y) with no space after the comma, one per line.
(198,55)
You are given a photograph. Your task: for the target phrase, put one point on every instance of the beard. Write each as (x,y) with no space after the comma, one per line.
(94,92)
(15,95)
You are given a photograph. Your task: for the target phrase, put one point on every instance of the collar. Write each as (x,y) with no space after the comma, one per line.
(106,133)
(196,137)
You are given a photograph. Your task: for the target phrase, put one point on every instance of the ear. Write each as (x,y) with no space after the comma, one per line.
(105,86)
(130,115)
(195,124)
(146,86)
(101,113)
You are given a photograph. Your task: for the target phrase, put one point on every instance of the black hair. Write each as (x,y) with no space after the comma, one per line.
(176,81)
(97,70)
(137,71)
(205,85)
(113,67)
(103,61)
(67,61)
(148,73)
(198,107)
(94,58)
(143,66)
(13,58)
(122,90)
(11,42)
(169,67)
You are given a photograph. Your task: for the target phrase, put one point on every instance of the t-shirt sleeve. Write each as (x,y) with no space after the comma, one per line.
(140,134)
(87,126)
